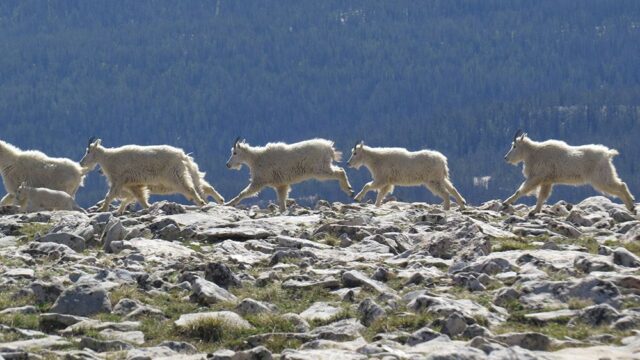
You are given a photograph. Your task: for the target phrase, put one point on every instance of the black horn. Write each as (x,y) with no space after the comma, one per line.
(91,140)
(235,143)
(360,142)
(518,133)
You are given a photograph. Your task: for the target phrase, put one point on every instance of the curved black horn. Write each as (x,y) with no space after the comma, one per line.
(518,133)
(235,143)
(91,140)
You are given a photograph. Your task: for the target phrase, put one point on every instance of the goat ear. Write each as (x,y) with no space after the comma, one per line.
(524,135)
(361,144)
(97,142)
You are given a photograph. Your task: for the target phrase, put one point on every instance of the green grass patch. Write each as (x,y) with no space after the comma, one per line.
(11,262)
(481,297)
(559,330)
(171,303)
(402,321)
(499,245)
(209,335)
(632,246)
(9,299)
(589,243)
(30,230)
(287,300)
(577,303)
(22,321)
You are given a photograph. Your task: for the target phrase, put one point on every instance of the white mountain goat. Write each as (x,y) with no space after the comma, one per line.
(280,165)
(37,170)
(554,162)
(32,199)
(398,166)
(131,169)
(205,190)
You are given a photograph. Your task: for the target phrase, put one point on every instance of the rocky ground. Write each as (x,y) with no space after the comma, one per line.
(340,281)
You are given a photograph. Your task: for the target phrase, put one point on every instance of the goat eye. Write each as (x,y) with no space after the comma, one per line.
(235,153)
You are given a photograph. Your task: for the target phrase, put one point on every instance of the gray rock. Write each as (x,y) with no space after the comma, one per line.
(73,241)
(513,353)
(328,283)
(221,275)
(20,273)
(369,312)
(552,316)
(151,353)
(443,307)
(55,321)
(97,325)
(632,235)
(381,274)
(423,335)
(113,231)
(538,294)
(624,257)
(343,330)
(180,347)
(470,281)
(345,241)
(320,311)
(487,346)
(490,266)
(530,340)
(475,330)
(253,307)
(355,278)
(505,296)
(206,292)
(627,323)
(132,337)
(297,243)
(50,250)
(586,265)
(281,255)
(231,318)
(45,292)
(596,315)
(256,353)
(454,325)
(39,344)
(126,305)
(104,345)
(300,324)
(83,299)
(28,309)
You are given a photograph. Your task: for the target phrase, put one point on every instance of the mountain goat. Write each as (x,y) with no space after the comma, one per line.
(205,190)
(280,165)
(32,199)
(37,170)
(133,170)
(554,162)
(397,166)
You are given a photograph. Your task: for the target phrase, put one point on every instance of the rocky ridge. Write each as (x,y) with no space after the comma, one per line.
(347,281)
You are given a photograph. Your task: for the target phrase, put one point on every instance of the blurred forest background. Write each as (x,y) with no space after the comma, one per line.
(456,76)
